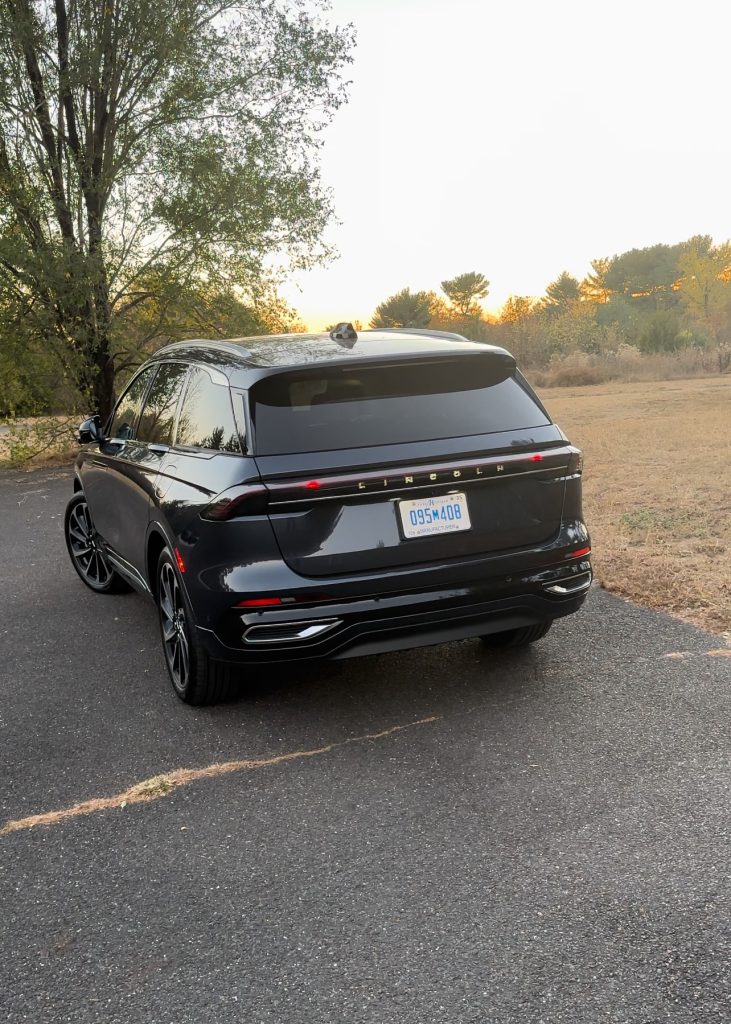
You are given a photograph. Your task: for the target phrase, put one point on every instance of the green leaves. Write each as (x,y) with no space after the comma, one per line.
(162,143)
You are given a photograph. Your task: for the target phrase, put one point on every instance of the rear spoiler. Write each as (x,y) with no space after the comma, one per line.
(501,360)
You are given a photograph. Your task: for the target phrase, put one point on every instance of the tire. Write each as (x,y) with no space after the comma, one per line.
(86,552)
(196,679)
(520,637)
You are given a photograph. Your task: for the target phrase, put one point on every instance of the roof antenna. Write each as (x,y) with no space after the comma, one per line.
(344,332)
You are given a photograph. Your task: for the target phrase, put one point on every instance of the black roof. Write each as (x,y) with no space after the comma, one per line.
(265,352)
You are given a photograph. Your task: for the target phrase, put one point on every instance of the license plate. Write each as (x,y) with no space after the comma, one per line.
(426,516)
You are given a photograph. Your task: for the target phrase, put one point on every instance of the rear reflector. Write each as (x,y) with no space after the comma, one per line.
(580,553)
(270,602)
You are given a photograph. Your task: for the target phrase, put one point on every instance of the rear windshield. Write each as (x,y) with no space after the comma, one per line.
(354,407)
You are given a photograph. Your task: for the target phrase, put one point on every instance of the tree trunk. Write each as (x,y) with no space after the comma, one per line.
(100,325)
(104,379)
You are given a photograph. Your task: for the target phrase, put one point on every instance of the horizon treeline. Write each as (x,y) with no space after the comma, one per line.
(663,301)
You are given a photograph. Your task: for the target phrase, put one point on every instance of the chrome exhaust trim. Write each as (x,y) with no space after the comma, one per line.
(573,585)
(287,632)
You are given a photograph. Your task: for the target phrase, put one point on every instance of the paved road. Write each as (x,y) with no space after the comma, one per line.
(551,845)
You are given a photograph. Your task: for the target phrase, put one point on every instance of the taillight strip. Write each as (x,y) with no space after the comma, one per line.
(457,473)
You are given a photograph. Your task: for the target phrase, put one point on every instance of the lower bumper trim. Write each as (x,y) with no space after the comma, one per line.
(379,633)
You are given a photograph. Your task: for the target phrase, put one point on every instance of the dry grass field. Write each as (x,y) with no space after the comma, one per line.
(657,490)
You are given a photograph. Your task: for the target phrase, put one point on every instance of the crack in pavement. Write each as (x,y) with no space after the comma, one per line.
(158,786)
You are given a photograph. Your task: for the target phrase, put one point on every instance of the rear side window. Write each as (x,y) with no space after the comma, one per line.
(206,417)
(128,408)
(349,407)
(158,416)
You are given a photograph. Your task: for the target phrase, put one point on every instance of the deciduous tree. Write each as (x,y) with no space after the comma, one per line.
(705,283)
(149,144)
(516,309)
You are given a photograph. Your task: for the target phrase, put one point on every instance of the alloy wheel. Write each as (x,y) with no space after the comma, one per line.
(88,556)
(174,627)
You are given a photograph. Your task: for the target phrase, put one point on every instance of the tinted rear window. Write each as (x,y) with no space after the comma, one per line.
(350,407)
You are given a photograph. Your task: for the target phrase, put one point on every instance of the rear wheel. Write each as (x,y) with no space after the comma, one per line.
(520,637)
(195,678)
(86,550)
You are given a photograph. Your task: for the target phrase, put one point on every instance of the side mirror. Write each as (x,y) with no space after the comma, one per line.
(91,430)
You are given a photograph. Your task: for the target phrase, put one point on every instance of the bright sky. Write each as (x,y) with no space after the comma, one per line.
(519,139)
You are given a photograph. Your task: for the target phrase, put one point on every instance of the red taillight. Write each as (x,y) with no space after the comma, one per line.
(271,602)
(247,500)
(312,485)
(536,458)
(580,553)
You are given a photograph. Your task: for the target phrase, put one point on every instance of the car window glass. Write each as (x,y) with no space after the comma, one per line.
(125,415)
(344,407)
(158,416)
(206,418)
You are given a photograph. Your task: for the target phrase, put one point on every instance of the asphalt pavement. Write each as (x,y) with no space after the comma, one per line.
(457,837)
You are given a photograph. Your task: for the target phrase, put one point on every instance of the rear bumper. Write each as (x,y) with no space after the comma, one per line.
(357,627)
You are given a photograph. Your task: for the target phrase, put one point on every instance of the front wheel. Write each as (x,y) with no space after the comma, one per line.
(520,637)
(195,678)
(86,551)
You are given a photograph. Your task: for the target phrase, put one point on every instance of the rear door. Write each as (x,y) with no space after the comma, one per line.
(205,458)
(139,439)
(405,464)
(105,470)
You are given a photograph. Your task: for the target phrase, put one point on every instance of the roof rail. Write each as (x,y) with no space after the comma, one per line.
(449,335)
(205,343)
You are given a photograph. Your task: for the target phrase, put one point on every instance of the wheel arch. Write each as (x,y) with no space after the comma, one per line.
(156,542)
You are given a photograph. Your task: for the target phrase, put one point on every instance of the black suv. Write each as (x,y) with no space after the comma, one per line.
(325,496)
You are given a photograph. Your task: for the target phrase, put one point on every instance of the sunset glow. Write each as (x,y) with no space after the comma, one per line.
(504,138)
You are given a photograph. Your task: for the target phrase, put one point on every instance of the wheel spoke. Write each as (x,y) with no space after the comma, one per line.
(82,526)
(184,656)
(78,534)
(166,602)
(176,657)
(167,607)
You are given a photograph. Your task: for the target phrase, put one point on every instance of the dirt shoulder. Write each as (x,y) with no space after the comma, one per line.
(657,490)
